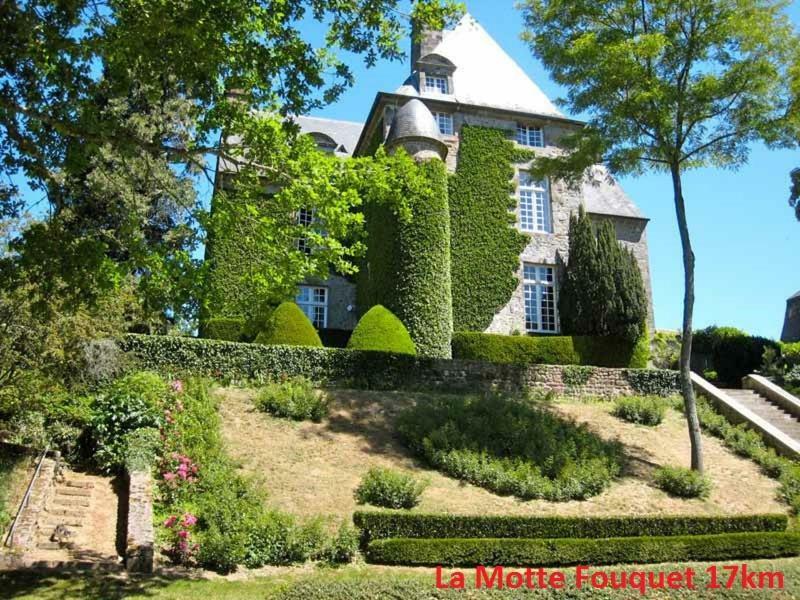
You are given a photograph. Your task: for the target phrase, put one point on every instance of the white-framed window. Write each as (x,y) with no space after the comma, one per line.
(436,83)
(305,217)
(534,204)
(530,136)
(314,302)
(445,122)
(540,298)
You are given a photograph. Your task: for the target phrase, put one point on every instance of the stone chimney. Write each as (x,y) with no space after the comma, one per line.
(422,42)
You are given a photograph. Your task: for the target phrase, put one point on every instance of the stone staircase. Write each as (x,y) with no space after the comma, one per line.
(69,523)
(772,413)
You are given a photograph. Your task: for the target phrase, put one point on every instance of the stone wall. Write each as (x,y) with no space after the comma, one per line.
(572,380)
(140,537)
(24,537)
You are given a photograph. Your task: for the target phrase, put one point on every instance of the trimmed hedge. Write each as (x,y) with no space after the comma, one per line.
(227,329)
(734,353)
(375,370)
(289,326)
(551,350)
(381,331)
(389,524)
(565,552)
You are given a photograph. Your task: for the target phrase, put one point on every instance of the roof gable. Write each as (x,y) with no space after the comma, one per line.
(485,75)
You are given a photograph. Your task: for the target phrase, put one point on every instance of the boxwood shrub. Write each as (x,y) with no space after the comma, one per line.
(683,482)
(380,330)
(389,488)
(289,326)
(551,350)
(642,410)
(390,524)
(575,551)
(224,329)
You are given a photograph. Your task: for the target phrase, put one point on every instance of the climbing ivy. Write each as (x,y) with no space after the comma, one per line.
(407,266)
(485,247)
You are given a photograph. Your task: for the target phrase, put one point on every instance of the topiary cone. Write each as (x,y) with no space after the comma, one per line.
(379,330)
(289,326)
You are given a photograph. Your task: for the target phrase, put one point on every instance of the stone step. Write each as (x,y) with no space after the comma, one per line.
(65,512)
(771,413)
(70,501)
(73,491)
(79,483)
(51,523)
(48,545)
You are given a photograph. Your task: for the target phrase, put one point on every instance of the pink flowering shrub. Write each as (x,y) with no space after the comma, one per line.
(181,546)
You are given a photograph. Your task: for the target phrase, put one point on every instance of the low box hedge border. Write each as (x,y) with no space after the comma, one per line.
(575,551)
(391,524)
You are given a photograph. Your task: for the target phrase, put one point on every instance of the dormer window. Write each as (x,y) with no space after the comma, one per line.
(436,84)
(445,122)
(530,136)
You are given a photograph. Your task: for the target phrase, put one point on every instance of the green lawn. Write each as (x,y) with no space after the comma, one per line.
(357,582)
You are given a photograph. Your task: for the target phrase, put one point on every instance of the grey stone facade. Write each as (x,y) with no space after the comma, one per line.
(486,88)
(791,322)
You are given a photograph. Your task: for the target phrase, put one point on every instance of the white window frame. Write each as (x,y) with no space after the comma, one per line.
(437,84)
(304,217)
(533,197)
(445,122)
(313,301)
(540,293)
(528,135)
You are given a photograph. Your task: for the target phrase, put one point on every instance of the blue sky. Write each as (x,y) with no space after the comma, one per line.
(745,237)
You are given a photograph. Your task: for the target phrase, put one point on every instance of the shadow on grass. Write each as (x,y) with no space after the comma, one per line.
(82,584)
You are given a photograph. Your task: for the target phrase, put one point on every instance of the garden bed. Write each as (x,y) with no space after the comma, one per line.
(313,468)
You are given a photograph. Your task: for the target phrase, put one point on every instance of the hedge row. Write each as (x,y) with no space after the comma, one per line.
(565,552)
(551,350)
(375,370)
(388,524)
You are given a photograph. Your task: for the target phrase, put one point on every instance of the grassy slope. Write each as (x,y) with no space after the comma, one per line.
(351,583)
(313,468)
(15,473)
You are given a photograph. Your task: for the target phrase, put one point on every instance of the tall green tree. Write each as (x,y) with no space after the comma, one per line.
(668,85)
(111,112)
(602,292)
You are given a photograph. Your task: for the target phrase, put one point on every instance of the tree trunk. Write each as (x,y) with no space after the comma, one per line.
(687,389)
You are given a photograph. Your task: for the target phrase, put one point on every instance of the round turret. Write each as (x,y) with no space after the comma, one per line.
(415,129)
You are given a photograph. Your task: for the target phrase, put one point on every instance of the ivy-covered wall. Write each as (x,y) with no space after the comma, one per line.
(229,261)
(485,247)
(407,265)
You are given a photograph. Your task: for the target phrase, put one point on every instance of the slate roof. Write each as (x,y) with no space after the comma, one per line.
(413,120)
(485,75)
(602,195)
(344,133)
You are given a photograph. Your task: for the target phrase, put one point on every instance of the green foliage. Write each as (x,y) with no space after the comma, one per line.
(390,524)
(510,446)
(683,482)
(749,443)
(294,398)
(485,247)
(289,326)
(641,410)
(576,376)
(602,292)
(343,547)
(381,331)
(142,448)
(653,382)
(13,466)
(734,354)
(234,526)
(665,349)
(563,552)
(389,488)
(552,350)
(224,329)
(134,402)
(407,263)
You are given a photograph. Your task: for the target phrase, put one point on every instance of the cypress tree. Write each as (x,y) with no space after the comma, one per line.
(602,291)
